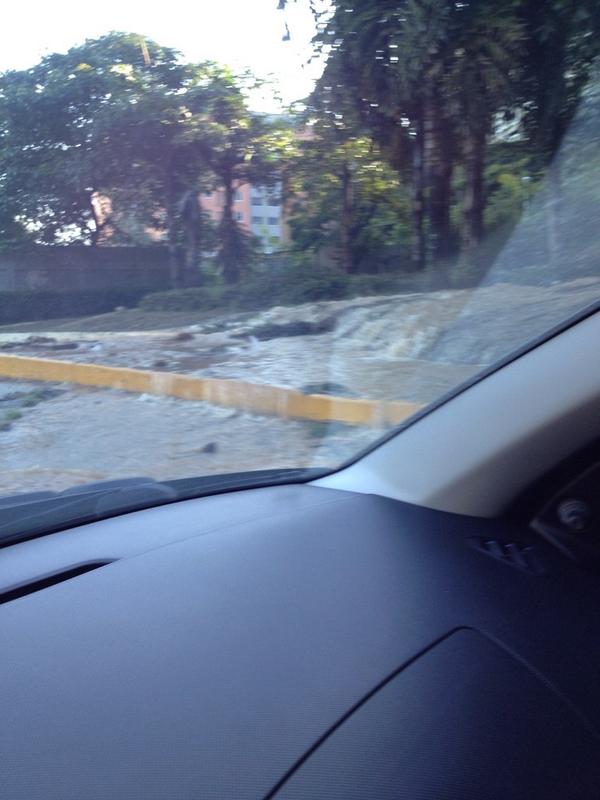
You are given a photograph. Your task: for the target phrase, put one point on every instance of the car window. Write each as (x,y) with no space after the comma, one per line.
(243,236)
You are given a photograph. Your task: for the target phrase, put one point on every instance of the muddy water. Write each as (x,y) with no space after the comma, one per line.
(406,347)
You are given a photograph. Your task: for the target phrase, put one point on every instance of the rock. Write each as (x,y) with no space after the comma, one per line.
(211,447)
(39,340)
(298,328)
(160,363)
(182,336)
(64,346)
(328,387)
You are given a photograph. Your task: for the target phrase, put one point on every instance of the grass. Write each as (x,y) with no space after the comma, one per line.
(24,400)
(30,399)
(9,416)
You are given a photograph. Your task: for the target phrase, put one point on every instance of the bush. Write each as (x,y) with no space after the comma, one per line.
(256,292)
(28,305)
(308,288)
(388,283)
(288,288)
(193,299)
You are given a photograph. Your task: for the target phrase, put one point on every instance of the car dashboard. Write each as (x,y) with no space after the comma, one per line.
(298,642)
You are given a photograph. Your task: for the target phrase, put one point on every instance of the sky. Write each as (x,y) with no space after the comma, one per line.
(240,33)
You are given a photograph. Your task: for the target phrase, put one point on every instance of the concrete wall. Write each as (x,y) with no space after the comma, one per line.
(77,267)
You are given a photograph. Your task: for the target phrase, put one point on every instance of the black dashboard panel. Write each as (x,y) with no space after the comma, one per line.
(464,720)
(230,636)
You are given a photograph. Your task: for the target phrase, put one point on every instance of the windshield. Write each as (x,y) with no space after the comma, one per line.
(245,236)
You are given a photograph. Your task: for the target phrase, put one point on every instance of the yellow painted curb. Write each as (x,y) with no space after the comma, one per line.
(252,397)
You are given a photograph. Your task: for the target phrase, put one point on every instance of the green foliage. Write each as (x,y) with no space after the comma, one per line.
(117,136)
(432,123)
(563,43)
(346,199)
(506,203)
(510,181)
(238,147)
(426,79)
(8,417)
(287,288)
(436,83)
(58,148)
(192,299)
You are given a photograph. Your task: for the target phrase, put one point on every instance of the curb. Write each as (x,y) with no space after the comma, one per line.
(250,397)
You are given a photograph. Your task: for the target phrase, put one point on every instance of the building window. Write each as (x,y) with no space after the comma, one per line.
(273,220)
(238,216)
(237,196)
(257,201)
(257,220)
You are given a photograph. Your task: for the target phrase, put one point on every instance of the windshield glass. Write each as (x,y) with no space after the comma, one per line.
(242,236)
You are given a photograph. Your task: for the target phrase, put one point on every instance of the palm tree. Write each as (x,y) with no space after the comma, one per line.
(428,78)
(480,82)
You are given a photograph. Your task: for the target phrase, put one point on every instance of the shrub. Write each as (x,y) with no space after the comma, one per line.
(310,287)
(260,290)
(289,288)
(196,298)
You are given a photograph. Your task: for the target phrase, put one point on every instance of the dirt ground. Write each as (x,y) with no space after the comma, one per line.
(130,319)
(80,434)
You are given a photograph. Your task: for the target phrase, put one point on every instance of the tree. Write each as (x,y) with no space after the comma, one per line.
(56,154)
(238,146)
(102,121)
(162,175)
(480,77)
(428,78)
(123,119)
(346,199)
(382,57)
(563,44)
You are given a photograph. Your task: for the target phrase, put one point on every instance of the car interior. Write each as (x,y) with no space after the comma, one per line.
(419,623)
(300,400)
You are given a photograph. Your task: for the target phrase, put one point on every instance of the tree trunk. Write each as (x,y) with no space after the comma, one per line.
(346,222)
(418,250)
(438,169)
(175,266)
(98,222)
(229,235)
(553,215)
(441,196)
(191,215)
(474,199)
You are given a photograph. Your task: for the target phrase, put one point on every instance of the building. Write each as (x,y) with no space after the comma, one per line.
(259,210)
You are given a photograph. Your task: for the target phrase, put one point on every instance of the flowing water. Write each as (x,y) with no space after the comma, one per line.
(412,347)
